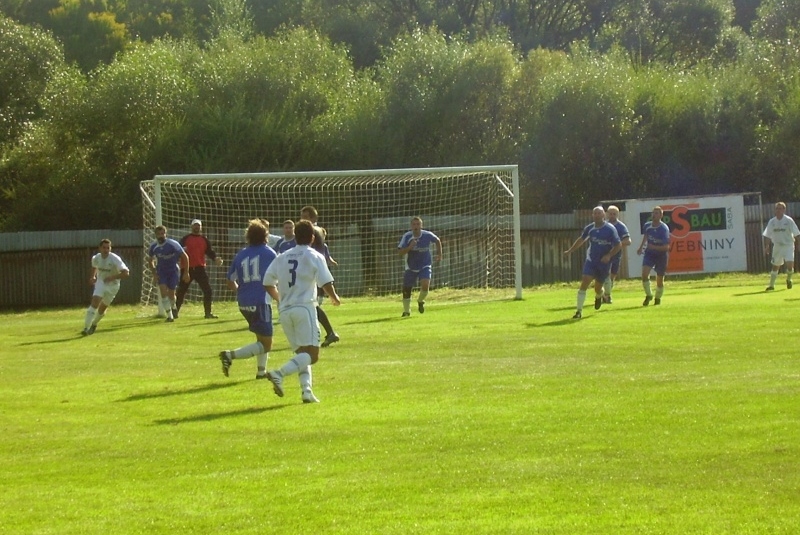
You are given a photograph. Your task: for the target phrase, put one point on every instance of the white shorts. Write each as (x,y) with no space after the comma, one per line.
(107,291)
(300,325)
(782,253)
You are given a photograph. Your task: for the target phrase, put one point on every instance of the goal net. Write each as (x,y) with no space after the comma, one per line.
(473,210)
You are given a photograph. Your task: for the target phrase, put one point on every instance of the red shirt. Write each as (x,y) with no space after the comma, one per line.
(197,247)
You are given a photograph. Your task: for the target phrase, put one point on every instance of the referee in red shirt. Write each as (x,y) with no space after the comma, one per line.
(198,248)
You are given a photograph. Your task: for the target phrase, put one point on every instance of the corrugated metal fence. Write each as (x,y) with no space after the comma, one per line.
(39,269)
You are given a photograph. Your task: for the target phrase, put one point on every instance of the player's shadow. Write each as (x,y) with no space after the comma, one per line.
(218,415)
(168,393)
(379,320)
(559,322)
(747,294)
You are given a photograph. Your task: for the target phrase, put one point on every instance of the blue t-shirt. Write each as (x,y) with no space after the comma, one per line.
(658,235)
(248,269)
(623,233)
(283,245)
(168,255)
(601,240)
(420,256)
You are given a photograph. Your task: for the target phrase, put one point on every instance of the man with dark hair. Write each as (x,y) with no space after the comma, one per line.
(107,270)
(416,245)
(604,243)
(169,263)
(309,213)
(292,279)
(198,247)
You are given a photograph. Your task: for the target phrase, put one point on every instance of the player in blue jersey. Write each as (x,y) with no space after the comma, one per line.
(655,248)
(604,243)
(169,263)
(612,215)
(416,245)
(309,213)
(246,278)
(287,241)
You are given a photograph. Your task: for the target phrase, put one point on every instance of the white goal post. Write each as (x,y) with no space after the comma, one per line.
(474,210)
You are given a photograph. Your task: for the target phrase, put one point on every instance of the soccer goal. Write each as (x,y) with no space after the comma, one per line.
(474,210)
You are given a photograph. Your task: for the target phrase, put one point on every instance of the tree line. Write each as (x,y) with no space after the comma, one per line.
(593,99)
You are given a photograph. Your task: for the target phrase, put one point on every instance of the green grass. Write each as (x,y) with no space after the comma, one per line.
(485,415)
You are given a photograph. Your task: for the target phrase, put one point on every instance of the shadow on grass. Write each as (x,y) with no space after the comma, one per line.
(218,415)
(379,320)
(101,329)
(588,314)
(168,393)
(746,294)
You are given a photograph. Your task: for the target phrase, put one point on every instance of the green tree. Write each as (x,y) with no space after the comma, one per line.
(674,32)
(89,31)
(28,59)
(777,20)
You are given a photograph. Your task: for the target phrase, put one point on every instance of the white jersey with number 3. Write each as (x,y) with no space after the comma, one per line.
(297,273)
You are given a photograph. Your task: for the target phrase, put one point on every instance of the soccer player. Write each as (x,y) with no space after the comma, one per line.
(287,241)
(292,279)
(272,239)
(604,243)
(197,247)
(612,215)
(107,270)
(164,257)
(781,233)
(416,246)
(655,248)
(246,278)
(309,213)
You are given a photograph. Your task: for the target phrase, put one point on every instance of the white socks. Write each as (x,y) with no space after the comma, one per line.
(407,306)
(646,285)
(581,299)
(300,361)
(90,312)
(607,285)
(305,379)
(248,351)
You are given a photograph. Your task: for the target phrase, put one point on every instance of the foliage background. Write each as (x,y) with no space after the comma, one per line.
(593,99)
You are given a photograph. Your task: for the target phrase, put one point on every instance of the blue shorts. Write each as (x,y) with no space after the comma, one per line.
(596,269)
(259,319)
(410,277)
(170,280)
(656,260)
(615,264)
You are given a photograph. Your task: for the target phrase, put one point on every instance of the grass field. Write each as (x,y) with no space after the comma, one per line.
(484,415)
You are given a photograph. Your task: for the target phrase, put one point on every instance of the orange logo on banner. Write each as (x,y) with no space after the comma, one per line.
(682,259)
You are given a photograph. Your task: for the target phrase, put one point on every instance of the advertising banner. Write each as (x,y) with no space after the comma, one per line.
(707,234)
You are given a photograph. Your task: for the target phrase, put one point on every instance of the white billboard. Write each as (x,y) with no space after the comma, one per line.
(707,234)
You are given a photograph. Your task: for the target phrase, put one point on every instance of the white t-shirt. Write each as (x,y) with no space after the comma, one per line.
(782,231)
(297,273)
(108,267)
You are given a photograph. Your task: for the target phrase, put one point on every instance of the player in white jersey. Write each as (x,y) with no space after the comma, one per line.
(107,270)
(781,233)
(292,280)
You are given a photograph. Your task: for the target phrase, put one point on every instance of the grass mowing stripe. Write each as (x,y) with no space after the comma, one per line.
(483,415)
